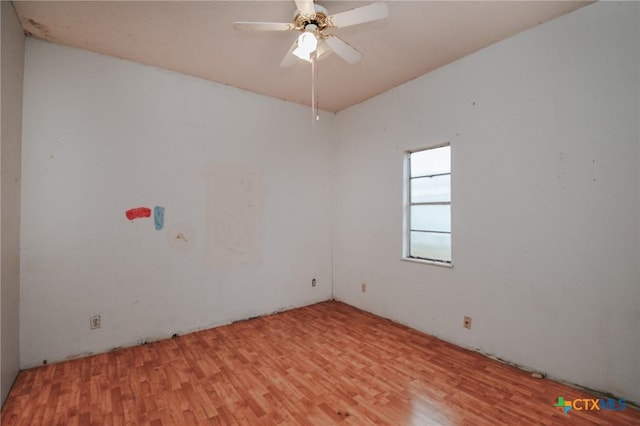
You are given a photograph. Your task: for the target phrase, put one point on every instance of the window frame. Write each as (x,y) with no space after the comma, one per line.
(406,251)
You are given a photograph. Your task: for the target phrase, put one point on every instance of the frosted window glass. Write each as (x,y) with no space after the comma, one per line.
(426,245)
(429,195)
(431,189)
(431,161)
(431,218)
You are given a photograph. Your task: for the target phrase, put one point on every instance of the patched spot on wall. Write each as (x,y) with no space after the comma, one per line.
(233,215)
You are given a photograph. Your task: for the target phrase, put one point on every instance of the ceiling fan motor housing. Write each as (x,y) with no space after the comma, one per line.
(319,18)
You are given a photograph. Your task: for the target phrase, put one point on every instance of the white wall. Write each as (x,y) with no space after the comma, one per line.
(545,140)
(12,67)
(102,136)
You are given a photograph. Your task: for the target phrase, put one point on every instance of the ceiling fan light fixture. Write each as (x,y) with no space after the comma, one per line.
(307,44)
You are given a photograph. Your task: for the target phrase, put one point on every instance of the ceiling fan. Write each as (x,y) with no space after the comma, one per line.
(312,20)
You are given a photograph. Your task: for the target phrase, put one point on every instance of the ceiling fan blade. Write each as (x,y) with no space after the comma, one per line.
(342,49)
(262,26)
(290,59)
(305,7)
(359,15)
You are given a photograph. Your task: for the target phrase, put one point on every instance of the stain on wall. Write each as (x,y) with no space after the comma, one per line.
(181,237)
(39,30)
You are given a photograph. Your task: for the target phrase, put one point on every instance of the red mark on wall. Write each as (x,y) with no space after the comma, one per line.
(138,212)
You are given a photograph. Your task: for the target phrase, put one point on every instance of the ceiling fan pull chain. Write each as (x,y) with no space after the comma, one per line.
(314,97)
(315,83)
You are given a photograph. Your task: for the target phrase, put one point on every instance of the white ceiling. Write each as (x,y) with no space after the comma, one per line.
(197,38)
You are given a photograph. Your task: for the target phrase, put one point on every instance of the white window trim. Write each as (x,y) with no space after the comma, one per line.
(427,262)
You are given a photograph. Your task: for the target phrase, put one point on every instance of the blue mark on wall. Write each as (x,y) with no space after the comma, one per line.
(158,217)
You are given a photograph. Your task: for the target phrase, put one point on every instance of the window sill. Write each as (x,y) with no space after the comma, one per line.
(428,262)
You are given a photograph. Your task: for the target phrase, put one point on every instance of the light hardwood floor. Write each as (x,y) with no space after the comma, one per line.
(319,365)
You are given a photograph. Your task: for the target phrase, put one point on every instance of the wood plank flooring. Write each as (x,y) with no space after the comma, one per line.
(319,365)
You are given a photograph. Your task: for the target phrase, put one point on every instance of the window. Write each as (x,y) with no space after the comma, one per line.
(428,207)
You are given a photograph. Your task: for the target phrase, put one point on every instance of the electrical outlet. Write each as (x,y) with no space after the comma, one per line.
(95,322)
(313,282)
(467,322)
(363,287)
